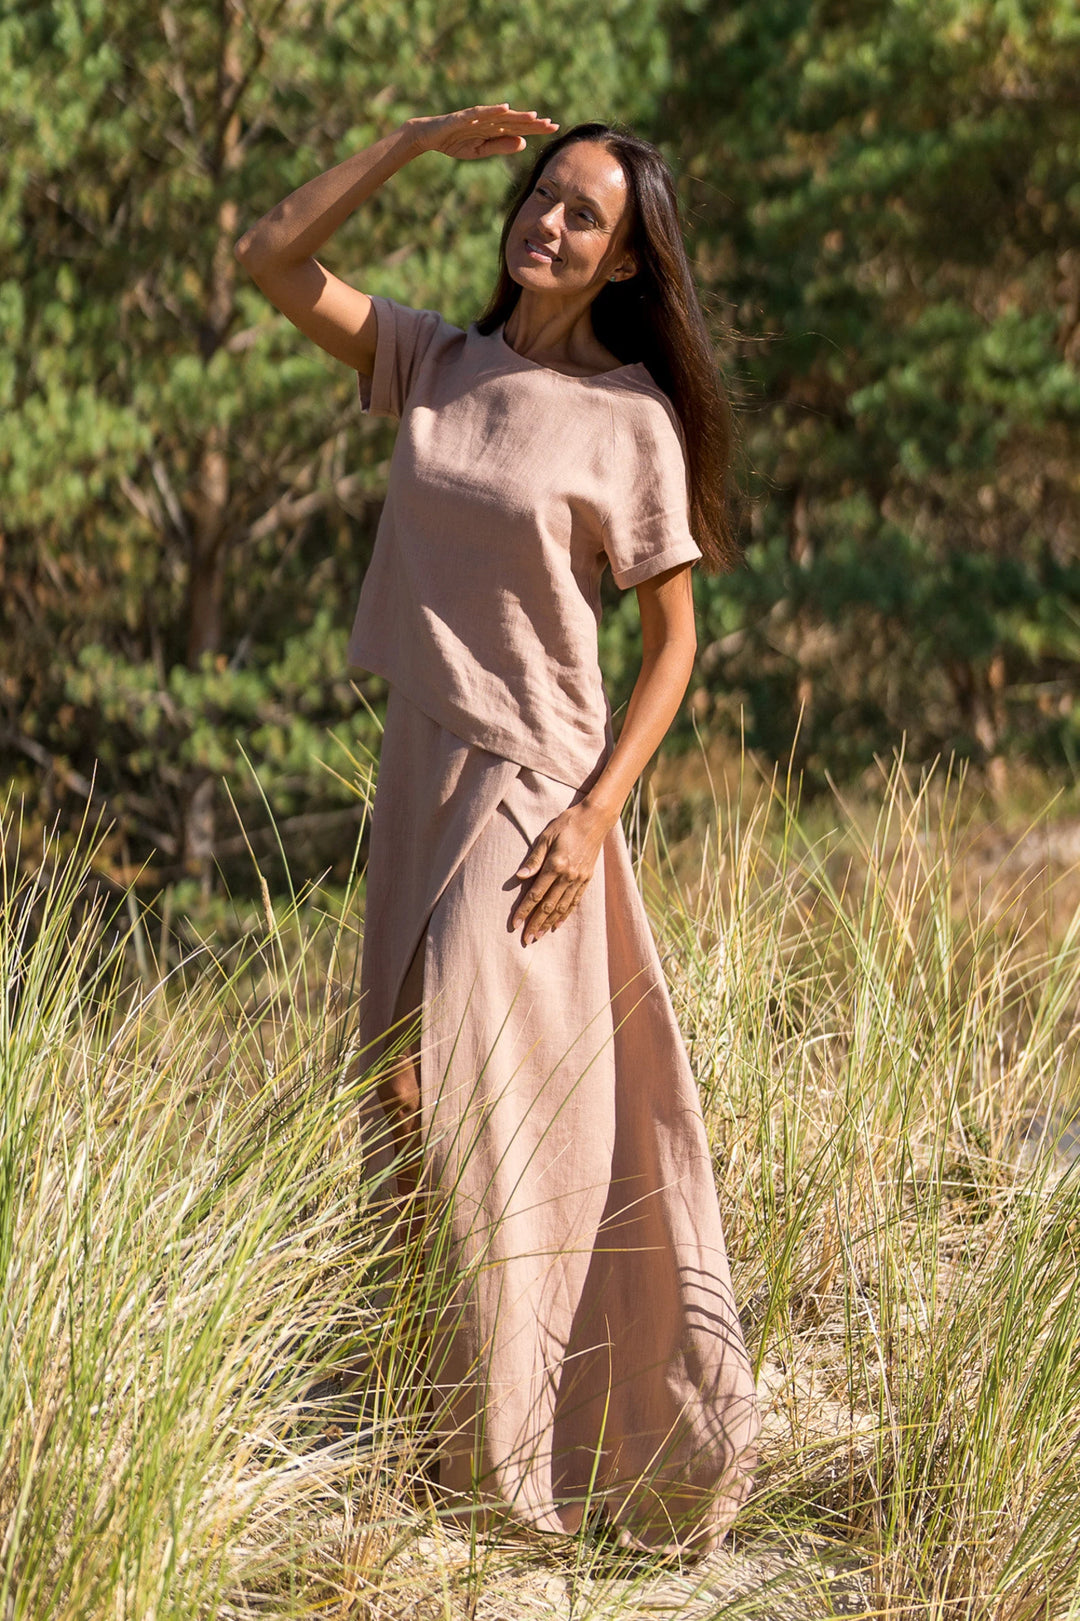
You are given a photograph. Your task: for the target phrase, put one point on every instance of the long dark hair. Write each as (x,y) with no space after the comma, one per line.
(654,317)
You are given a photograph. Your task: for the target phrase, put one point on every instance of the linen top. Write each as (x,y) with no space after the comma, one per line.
(511,487)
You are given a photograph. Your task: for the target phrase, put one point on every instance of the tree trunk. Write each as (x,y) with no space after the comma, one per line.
(208,500)
(980,699)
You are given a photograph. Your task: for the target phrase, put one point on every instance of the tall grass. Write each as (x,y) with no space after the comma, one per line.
(187,1248)
(208,1403)
(873,1060)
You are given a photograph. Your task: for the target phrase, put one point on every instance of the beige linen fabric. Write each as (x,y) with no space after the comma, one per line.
(594,1336)
(511,488)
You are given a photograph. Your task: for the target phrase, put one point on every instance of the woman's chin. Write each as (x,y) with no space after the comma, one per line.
(536,277)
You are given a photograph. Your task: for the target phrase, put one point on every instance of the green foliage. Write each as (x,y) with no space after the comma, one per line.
(886,220)
(189,493)
(885,208)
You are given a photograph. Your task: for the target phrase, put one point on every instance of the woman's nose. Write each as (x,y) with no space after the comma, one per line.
(550,219)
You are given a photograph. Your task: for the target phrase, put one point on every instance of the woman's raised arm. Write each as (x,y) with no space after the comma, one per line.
(279,249)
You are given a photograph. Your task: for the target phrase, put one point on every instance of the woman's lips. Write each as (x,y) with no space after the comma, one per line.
(536,250)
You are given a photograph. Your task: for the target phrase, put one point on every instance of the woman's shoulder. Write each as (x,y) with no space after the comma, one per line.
(642,411)
(411,348)
(409,318)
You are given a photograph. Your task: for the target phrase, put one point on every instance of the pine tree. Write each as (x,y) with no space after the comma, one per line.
(189,493)
(885,207)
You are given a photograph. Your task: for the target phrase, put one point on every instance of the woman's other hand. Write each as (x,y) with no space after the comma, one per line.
(478,132)
(560,864)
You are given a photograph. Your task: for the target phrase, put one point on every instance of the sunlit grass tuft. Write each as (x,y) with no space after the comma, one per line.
(209,1403)
(873,1060)
(190,1256)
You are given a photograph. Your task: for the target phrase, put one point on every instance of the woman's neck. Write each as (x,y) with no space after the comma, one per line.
(556,332)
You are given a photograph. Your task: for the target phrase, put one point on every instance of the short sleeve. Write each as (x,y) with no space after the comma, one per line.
(404,337)
(648,524)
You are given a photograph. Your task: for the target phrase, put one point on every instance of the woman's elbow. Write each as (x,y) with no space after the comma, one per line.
(245,247)
(254,251)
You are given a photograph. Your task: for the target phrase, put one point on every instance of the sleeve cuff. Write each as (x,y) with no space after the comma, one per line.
(685,551)
(376,391)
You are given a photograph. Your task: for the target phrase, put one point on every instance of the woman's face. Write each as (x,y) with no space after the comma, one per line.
(569,233)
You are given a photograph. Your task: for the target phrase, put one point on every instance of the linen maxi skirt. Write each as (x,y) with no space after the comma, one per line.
(592,1350)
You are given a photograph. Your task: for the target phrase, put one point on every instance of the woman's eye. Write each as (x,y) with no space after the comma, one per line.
(586,216)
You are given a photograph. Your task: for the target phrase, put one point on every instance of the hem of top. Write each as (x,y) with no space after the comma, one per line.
(682,553)
(494,740)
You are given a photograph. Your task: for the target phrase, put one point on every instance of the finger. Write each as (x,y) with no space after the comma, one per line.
(564,907)
(498,134)
(503,109)
(531,899)
(536,893)
(535,858)
(496,145)
(541,915)
(506,118)
(534,867)
(567,907)
(558,915)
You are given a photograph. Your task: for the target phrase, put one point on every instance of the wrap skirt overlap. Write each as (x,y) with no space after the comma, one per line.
(592,1348)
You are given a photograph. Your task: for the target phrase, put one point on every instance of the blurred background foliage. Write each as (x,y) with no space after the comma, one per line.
(883,204)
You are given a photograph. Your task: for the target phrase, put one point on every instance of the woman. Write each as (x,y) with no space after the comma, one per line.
(595,1352)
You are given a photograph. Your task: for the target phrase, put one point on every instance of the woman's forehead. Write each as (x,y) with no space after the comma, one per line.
(589,170)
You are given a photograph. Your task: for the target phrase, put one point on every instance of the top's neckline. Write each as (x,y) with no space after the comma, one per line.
(571,376)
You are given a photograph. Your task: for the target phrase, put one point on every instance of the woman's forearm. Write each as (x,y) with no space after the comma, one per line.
(278,252)
(654,703)
(296,228)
